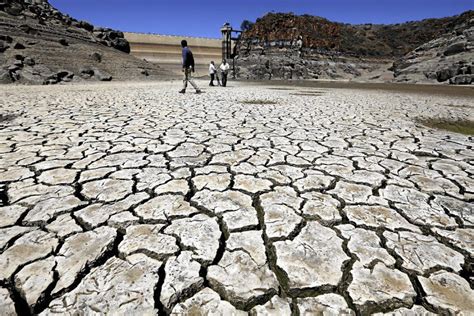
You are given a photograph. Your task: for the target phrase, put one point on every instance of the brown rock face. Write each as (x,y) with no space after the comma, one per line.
(287,46)
(361,40)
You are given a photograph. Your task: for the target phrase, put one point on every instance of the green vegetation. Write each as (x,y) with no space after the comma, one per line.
(465,127)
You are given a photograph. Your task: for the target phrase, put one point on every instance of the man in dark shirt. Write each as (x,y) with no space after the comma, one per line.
(188,67)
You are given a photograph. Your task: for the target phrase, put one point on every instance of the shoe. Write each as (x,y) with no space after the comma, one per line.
(198,91)
(182,91)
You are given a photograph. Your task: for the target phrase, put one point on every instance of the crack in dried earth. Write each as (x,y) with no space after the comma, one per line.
(131,199)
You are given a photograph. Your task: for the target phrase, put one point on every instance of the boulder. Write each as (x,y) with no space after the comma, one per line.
(29,61)
(121,44)
(63,42)
(65,75)
(455,49)
(86,73)
(14,9)
(13,68)
(5,77)
(96,57)
(462,79)
(14,75)
(18,46)
(6,39)
(445,74)
(102,76)
(85,25)
(3,46)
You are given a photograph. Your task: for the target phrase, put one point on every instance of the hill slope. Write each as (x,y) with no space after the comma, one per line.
(39,44)
(289,46)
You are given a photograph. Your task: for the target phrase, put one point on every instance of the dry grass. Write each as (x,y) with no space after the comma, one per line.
(260,102)
(465,127)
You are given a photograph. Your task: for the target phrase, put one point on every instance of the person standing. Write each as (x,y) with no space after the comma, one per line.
(188,68)
(212,73)
(225,67)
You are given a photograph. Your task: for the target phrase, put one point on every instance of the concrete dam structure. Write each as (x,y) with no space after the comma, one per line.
(165,50)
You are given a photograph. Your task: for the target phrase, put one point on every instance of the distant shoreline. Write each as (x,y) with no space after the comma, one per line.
(421,88)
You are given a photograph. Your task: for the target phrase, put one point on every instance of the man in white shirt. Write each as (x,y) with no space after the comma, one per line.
(213,74)
(225,67)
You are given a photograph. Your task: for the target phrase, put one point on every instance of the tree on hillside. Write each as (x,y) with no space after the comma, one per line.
(246,25)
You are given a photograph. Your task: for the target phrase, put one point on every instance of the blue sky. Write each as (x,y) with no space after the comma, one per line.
(204,17)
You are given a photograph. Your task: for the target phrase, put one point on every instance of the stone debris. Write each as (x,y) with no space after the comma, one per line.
(139,204)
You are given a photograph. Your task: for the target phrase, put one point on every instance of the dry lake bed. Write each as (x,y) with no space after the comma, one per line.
(131,199)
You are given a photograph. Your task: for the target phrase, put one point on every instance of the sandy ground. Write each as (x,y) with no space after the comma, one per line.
(129,198)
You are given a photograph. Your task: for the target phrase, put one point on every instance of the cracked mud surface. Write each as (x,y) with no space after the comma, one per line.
(132,199)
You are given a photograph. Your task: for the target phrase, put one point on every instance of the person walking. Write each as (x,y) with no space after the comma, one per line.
(225,67)
(188,68)
(212,73)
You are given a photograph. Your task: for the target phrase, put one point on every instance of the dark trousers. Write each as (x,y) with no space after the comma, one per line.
(212,80)
(224,79)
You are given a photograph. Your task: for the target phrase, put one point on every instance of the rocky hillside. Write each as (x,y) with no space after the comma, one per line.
(449,58)
(40,45)
(300,47)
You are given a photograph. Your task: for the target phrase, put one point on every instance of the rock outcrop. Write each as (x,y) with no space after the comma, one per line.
(449,58)
(40,45)
(287,46)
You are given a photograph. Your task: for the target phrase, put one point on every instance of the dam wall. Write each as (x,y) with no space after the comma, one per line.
(165,50)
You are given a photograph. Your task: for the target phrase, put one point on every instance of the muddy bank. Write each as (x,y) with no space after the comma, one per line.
(465,91)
